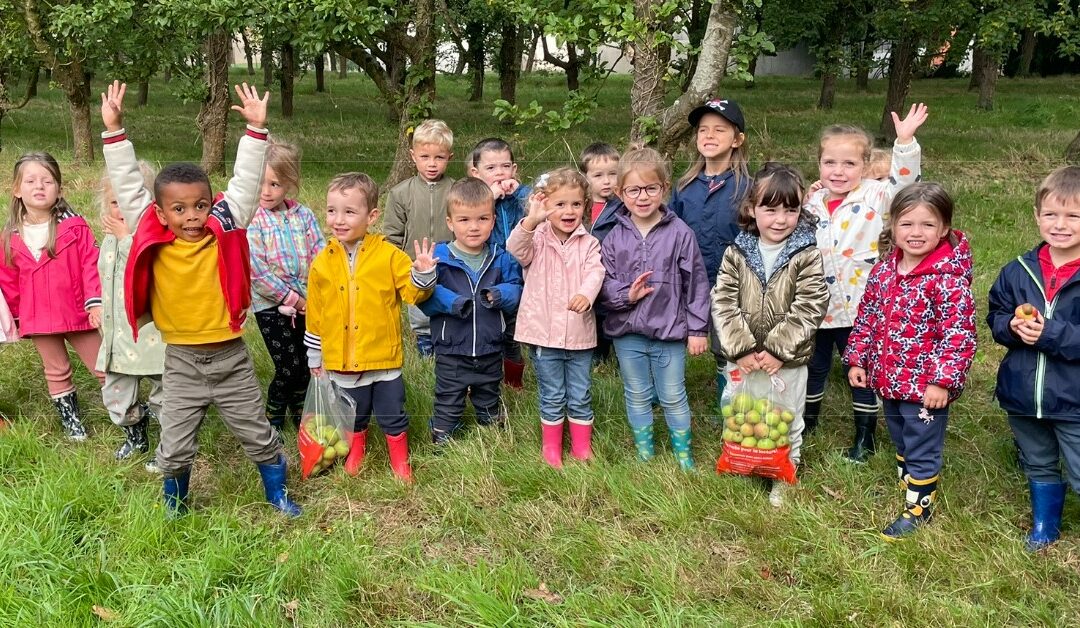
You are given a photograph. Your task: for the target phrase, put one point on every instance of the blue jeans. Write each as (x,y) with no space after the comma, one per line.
(649,365)
(563,377)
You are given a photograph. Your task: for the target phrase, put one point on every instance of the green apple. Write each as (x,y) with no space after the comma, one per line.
(782,441)
(771,418)
(761,431)
(782,428)
(746,429)
(749,441)
(753,417)
(762,406)
(731,423)
(742,403)
(727,411)
(766,444)
(774,434)
(787,417)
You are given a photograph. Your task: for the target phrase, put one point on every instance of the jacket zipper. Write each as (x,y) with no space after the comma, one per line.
(1040,357)
(431,209)
(475,294)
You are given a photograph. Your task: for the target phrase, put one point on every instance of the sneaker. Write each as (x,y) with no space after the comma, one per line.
(151,466)
(776,493)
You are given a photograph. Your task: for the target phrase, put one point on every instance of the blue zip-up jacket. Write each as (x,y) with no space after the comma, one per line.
(711,215)
(509,210)
(1037,380)
(462,320)
(607,219)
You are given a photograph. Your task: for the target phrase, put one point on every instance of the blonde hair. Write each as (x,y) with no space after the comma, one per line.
(17,209)
(880,163)
(738,162)
(1063,184)
(105,193)
(644,159)
(559,178)
(849,131)
(433,132)
(357,181)
(284,159)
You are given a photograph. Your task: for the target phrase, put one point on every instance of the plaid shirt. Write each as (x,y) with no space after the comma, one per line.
(283,244)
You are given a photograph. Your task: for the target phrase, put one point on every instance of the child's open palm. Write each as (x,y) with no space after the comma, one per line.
(425,259)
(538,211)
(251,106)
(112,106)
(905,129)
(640,288)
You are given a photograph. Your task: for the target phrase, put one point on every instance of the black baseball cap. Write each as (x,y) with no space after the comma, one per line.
(726,109)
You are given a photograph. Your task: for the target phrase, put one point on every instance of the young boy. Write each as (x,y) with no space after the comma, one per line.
(189,272)
(415,206)
(492,161)
(478,288)
(1035,314)
(599,162)
(357,338)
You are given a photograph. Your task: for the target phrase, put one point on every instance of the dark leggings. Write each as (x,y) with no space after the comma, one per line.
(284,338)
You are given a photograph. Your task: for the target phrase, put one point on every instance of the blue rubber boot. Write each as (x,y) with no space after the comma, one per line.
(918,508)
(1047,504)
(424,345)
(273,478)
(680,446)
(175,490)
(643,441)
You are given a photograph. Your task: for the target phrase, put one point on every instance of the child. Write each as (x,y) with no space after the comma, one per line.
(283,237)
(880,164)
(708,195)
(599,162)
(851,209)
(914,339)
(189,272)
(1045,339)
(492,161)
(357,338)
(478,288)
(770,293)
(8,333)
(563,275)
(124,361)
(657,301)
(49,276)
(416,207)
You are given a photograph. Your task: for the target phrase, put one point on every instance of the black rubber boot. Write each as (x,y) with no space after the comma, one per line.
(810,417)
(137,441)
(918,508)
(68,408)
(864,445)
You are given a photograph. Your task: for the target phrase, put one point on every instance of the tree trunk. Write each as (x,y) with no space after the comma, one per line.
(863,60)
(287,77)
(1027,52)
(144,92)
(573,67)
(1072,153)
(266,59)
(31,88)
(650,67)
(978,63)
(247,52)
(333,60)
(320,72)
(988,84)
(901,65)
(398,65)
(462,59)
(474,31)
(213,116)
(509,61)
(828,90)
(343,67)
(166,74)
(78,95)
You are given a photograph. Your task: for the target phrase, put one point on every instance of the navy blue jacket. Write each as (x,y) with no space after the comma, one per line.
(712,215)
(607,219)
(462,320)
(509,210)
(1042,380)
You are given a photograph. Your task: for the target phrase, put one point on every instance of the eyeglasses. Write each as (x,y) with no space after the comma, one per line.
(649,190)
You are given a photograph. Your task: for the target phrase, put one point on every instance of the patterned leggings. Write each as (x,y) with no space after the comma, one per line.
(284,338)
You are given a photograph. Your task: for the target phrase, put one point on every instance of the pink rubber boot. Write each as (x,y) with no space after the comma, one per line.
(580,439)
(552,443)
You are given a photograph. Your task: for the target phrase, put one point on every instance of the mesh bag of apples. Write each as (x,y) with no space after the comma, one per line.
(757,415)
(325,427)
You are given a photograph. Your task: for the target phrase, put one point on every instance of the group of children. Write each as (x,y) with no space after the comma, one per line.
(767,273)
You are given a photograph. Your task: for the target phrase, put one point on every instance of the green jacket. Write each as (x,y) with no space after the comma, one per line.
(119,352)
(416,209)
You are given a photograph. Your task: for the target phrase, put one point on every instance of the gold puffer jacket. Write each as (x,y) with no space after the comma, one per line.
(780,315)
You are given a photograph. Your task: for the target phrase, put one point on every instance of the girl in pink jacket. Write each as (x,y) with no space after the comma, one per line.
(49,276)
(563,275)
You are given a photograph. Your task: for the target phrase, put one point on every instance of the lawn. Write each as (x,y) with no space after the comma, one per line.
(489,535)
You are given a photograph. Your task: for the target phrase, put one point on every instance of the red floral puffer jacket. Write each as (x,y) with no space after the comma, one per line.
(917,329)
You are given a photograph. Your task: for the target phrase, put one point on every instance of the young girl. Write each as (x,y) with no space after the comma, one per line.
(707,197)
(850,209)
(123,360)
(914,339)
(770,293)
(563,275)
(657,297)
(49,276)
(284,238)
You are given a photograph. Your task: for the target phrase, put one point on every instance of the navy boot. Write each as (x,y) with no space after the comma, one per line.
(273,478)
(1047,504)
(175,490)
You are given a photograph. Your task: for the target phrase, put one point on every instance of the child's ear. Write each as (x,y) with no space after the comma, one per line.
(161,216)
(739,139)
(473,172)
(372,215)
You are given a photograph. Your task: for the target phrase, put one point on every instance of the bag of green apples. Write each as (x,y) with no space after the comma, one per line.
(325,427)
(757,418)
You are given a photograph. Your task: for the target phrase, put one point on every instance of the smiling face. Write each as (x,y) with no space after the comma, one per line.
(36,187)
(716,137)
(643,193)
(494,166)
(603,175)
(842,164)
(348,215)
(471,225)
(1059,226)
(184,209)
(567,205)
(431,160)
(917,232)
(775,223)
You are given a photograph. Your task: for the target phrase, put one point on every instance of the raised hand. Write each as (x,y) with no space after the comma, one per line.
(905,129)
(538,211)
(251,106)
(424,259)
(579,303)
(112,106)
(641,288)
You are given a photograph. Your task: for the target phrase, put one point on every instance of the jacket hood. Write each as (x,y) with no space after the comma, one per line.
(802,237)
(951,257)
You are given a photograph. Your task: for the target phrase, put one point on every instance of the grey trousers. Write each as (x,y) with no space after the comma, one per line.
(1044,444)
(194,380)
(120,394)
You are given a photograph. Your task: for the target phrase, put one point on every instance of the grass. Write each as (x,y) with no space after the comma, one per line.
(489,535)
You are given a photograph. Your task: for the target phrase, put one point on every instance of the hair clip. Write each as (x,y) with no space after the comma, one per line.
(541,181)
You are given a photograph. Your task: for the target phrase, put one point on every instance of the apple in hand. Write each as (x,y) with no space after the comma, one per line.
(1026,312)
